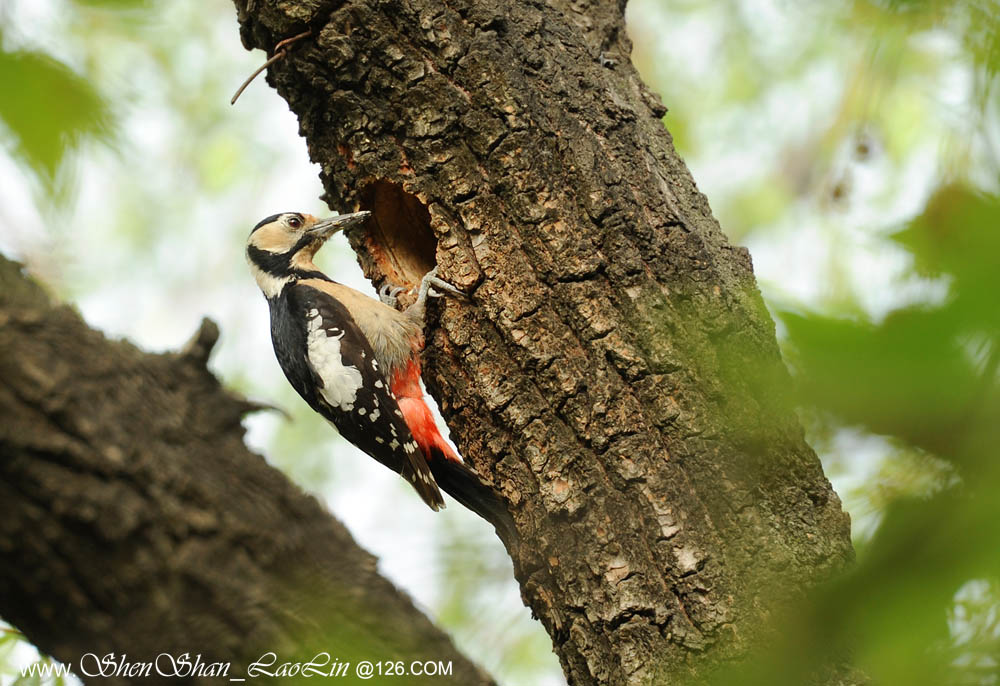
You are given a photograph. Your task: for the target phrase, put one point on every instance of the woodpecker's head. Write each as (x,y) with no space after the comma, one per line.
(281,247)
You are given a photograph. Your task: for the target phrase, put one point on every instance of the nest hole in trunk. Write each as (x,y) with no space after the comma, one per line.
(399,237)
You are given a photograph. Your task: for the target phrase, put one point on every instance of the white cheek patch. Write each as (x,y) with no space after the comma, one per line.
(270,285)
(341,382)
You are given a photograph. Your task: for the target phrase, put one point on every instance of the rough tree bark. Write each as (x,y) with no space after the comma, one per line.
(135,521)
(615,375)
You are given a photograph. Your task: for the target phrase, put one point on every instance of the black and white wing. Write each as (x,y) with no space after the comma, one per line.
(339,377)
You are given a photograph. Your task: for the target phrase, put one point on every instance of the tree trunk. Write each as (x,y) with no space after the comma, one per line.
(136,522)
(615,374)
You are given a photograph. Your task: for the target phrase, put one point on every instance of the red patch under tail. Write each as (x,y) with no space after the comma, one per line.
(416,414)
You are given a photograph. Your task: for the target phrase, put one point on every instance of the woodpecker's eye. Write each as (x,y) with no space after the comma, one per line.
(294,222)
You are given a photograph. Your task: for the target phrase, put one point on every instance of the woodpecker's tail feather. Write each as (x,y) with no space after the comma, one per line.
(422,481)
(452,475)
(463,484)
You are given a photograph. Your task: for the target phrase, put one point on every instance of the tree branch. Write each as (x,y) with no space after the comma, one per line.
(135,520)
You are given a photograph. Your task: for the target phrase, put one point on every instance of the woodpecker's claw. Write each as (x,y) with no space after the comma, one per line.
(387,294)
(444,286)
(431,280)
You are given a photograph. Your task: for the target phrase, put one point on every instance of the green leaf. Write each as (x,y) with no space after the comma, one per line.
(909,376)
(959,235)
(48,108)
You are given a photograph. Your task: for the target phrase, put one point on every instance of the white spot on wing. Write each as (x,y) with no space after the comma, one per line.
(395,444)
(341,382)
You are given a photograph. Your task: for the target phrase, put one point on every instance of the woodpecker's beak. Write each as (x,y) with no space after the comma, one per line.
(325,228)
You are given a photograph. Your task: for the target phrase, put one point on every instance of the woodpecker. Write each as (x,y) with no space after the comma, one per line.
(356,360)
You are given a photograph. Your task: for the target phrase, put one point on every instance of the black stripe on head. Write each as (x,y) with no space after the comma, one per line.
(276,264)
(268,220)
(280,264)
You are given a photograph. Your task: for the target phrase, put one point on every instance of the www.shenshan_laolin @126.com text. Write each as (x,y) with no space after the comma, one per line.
(268,666)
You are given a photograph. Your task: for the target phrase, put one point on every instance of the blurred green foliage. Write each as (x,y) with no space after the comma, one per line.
(926,376)
(48,109)
(910,386)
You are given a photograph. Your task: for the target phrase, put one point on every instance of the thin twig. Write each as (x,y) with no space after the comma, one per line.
(243,87)
(280,50)
(288,41)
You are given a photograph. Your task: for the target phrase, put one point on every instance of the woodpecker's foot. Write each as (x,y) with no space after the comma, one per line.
(387,294)
(431,281)
(427,284)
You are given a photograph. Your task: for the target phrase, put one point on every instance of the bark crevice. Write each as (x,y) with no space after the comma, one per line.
(615,373)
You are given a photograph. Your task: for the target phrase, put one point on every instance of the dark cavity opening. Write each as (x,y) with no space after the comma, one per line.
(399,236)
